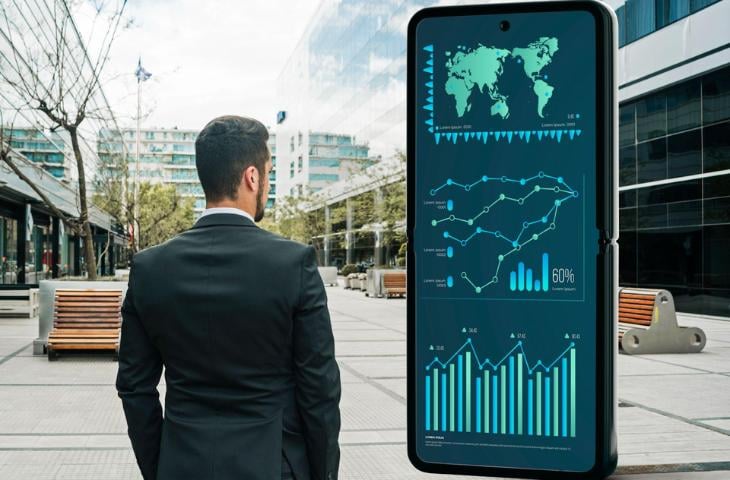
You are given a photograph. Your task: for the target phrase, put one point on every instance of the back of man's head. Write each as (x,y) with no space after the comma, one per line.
(225,147)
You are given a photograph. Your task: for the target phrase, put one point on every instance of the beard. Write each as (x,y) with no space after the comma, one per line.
(260,206)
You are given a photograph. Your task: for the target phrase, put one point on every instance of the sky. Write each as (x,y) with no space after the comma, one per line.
(206,58)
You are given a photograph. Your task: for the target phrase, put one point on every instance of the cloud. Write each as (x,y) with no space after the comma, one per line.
(206,58)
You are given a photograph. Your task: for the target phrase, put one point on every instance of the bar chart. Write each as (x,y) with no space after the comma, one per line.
(508,397)
(525,279)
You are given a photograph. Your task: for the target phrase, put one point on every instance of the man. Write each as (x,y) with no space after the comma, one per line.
(238,317)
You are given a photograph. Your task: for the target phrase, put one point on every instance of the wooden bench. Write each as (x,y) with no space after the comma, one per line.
(648,324)
(394,284)
(18,302)
(88,319)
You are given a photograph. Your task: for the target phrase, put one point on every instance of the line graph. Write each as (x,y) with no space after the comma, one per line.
(469,345)
(508,397)
(519,239)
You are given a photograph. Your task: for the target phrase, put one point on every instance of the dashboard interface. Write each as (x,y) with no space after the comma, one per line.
(505,240)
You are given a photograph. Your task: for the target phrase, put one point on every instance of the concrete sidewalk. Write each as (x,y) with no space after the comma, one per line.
(63,420)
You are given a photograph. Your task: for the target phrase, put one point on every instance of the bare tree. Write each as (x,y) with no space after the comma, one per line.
(57,76)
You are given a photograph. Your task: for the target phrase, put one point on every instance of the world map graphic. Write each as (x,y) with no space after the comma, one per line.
(481,68)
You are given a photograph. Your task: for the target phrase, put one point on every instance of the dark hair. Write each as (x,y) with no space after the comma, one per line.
(224,149)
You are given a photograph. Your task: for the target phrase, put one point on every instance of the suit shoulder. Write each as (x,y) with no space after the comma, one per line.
(287,244)
(149,254)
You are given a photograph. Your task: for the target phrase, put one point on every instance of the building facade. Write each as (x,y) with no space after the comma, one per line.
(47,149)
(34,245)
(674,156)
(167,156)
(271,200)
(347,74)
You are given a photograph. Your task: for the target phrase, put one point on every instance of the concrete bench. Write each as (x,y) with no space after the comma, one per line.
(328,274)
(394,284)
(18,302)
(88,319)
(648,324)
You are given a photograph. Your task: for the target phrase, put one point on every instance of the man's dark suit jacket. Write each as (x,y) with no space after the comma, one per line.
(238,317)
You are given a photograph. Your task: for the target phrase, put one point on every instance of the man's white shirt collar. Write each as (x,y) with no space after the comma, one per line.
(234,211)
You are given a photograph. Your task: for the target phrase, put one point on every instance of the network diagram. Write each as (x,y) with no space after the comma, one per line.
(530,230)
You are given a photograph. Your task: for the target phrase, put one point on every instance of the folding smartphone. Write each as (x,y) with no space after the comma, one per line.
(511,239)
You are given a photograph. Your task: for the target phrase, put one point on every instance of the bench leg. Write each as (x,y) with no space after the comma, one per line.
(52,355)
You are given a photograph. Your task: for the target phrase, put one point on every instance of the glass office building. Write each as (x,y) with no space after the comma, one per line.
(348,73)
(346,76)
(675,192)
(674,152)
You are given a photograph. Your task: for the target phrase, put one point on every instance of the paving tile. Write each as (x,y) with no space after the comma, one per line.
(689,396)
(63,420)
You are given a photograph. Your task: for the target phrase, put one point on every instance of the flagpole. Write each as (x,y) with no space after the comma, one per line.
(136,174)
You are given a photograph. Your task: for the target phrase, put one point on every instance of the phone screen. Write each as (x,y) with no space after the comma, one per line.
(505,240)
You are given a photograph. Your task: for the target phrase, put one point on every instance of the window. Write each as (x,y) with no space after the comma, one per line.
(651,116)
(670,193)
(682,245)
(717,186)
(637,18)
(668,11)
(684,213)
(652,216)
(684,153)
(695,5)
(716,257)
(717,199)
(717,210)
(323,177)
(716,96)
(640,18)
(652,160)
(621,17)
(717,147)
(627,259)
(627,165)
(627,198)
(324,162)
(683,106)
(627,125)
(627,220)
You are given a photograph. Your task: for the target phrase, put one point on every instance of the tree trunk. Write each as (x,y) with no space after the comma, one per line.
(89,254)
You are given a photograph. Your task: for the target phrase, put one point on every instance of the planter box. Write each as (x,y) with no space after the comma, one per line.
(328,274)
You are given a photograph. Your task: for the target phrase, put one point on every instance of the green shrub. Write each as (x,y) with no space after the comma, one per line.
(348,269)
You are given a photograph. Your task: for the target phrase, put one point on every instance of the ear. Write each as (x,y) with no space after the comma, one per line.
(251,178)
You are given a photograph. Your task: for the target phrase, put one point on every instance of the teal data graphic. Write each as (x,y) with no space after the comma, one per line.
(509,217)
(510,395)
(504,242)
(466,86)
